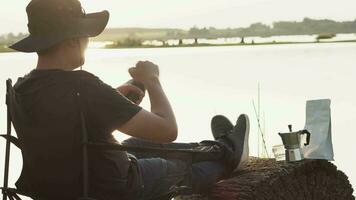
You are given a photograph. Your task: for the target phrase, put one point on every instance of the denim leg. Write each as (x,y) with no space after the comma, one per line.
(160,176)
(205,174)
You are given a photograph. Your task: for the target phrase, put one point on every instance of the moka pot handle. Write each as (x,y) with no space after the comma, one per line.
(308,137)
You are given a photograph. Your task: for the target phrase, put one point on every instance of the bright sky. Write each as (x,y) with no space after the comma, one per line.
(187,13)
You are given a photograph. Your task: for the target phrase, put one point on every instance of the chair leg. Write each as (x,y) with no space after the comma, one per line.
(10,197)
(17,197)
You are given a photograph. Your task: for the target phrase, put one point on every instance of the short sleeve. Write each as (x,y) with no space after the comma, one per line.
(107,108)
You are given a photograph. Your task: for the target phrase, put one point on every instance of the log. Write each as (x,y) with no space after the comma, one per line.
(267,179)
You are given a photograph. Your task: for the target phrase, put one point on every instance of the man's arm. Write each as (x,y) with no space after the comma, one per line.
(159,125)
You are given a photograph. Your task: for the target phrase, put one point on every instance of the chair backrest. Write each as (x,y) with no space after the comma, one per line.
(13,107)
(9,192)
(85,164)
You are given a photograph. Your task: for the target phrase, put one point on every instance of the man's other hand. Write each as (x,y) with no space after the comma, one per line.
(159,125)
(128,88)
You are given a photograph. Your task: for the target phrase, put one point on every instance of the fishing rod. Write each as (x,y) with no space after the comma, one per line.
(260,129)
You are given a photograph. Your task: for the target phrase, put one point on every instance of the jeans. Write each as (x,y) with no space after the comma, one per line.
(162,172)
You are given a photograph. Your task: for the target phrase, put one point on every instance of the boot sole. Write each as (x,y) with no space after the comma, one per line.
(245,151)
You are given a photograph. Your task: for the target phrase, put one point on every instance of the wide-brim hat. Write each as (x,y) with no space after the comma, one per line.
(59,21)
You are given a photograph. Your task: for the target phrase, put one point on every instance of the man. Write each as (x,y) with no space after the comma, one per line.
(51,140)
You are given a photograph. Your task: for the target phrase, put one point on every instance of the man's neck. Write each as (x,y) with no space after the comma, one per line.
(53,62)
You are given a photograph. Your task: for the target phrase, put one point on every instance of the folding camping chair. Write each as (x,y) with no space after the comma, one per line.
(13,193)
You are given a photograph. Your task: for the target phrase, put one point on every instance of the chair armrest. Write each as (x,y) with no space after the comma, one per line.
(134,148)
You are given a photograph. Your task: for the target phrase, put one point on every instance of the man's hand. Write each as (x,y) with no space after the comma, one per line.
(144,72)
(128,88)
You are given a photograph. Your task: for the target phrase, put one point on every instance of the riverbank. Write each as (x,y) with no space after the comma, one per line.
(6,50)
(221,45)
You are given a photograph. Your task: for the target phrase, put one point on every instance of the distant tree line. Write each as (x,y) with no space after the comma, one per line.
(306,27)
(11,38)
(127,42)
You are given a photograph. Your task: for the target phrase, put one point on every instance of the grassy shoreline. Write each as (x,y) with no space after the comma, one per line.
(221,45)
(7,50)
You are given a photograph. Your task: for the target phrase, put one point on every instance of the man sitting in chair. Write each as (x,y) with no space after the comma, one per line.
(51,139)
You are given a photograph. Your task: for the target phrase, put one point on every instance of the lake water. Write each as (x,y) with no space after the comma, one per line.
(204,81)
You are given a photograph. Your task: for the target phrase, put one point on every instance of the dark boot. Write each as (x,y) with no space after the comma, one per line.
(237,143)
(220,126)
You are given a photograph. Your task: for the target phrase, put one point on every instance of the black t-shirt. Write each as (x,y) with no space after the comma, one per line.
(51,141)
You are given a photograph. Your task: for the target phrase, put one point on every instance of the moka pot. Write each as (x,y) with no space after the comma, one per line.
(292,144)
